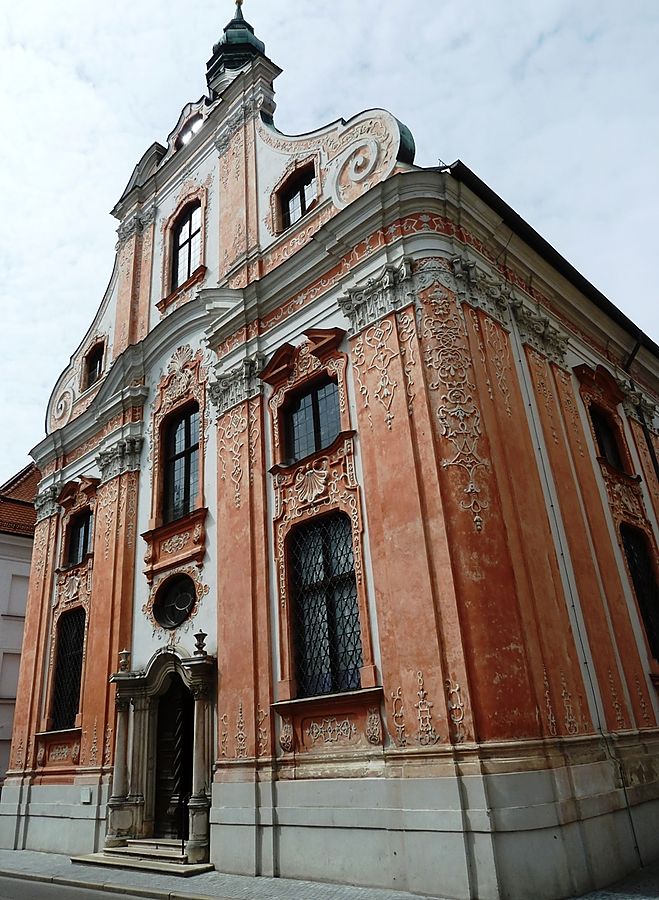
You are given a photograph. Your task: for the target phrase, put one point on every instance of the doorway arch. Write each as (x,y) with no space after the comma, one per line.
(162,775)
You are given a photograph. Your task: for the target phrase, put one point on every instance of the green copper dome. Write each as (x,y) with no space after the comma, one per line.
(237,46)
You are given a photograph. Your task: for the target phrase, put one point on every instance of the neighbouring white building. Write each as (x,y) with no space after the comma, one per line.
(17,519)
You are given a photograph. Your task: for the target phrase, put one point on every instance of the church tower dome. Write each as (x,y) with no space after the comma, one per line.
(237,46)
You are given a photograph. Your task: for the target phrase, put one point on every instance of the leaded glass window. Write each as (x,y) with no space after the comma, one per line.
(187,245)
(68,669)
(312,420)
(79,538)
(181,440)
(644,579)
(326,632)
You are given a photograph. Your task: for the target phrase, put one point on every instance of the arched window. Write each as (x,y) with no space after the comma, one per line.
(298,195)
(312,419)
(326,631)
(181,462)
(606,435)
(191,128)
(186,250)
(644,579)
(79,537)
(94,364)
(68,669)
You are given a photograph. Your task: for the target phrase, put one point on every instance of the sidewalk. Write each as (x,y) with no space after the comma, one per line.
(210,886)
(28,864)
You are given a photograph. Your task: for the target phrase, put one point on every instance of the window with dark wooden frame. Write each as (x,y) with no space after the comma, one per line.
(644,579)
(94,364)
(68,669)
(181,463)
(297,196)
(326,631)
(79,537)
(312,419)
(607,437)
(186,249)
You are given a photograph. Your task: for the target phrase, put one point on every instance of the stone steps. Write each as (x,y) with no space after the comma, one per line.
(170,854)
(155,855)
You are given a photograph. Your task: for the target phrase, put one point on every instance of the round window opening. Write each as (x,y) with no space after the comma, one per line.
(174,601)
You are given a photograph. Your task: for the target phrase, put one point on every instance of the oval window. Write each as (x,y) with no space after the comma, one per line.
(175,601)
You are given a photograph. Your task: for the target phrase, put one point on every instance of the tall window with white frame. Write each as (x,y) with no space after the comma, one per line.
(181,462)
(186,255)
(326,628)
(68,669)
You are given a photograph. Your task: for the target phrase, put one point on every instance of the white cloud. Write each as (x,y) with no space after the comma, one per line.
(552,103)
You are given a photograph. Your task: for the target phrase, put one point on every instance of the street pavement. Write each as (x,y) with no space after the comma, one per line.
(28,875)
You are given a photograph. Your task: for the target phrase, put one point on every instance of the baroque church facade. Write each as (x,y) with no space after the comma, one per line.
(345,564)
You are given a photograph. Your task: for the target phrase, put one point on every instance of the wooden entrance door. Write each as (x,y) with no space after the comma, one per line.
(174,760)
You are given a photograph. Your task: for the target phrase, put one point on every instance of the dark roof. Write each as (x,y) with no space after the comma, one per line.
(17,514)
(531,237)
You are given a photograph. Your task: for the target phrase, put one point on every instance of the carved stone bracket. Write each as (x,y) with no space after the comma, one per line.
(121,457)
(238,384)
(380,296)
(536,329)
(46,503)
(135,224)
(482,289)
(494,295)
(636,404)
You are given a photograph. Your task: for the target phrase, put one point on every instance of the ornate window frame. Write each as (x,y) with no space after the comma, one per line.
(172,635)
(98,341)
(324,482)
(171,544)
(624,493)
(275,220)
(599,390)
(73,586)
(174,297)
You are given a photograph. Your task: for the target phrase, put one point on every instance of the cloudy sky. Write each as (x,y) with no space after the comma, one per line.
(553,103)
